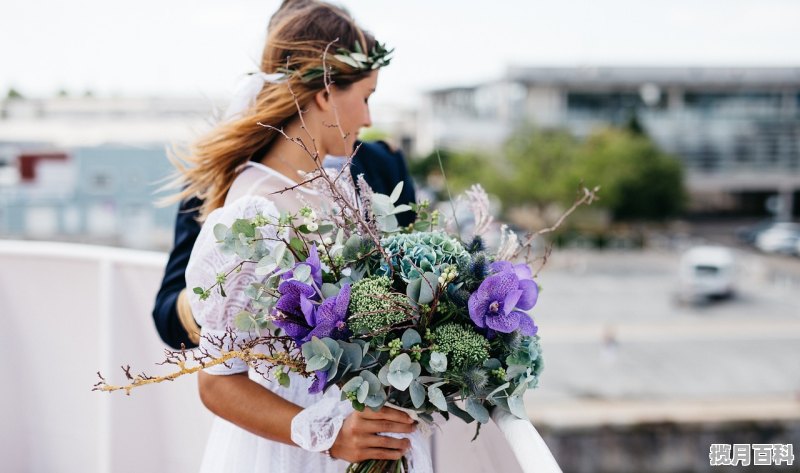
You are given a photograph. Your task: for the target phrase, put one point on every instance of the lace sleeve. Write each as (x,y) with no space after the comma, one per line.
(216,314)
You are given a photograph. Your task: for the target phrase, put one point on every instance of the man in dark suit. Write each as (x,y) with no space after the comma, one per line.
(382,168)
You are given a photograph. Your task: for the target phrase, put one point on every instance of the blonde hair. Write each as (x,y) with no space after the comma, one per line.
(297,40)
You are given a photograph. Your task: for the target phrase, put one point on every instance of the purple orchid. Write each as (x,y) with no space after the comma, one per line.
(295,310)
(292,309)
(321,378)
(494,305)
(328,319)
(313,263)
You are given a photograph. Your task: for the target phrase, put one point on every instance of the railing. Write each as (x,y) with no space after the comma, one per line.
(69,311)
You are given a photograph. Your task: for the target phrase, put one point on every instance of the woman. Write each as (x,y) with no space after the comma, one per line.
(237,171)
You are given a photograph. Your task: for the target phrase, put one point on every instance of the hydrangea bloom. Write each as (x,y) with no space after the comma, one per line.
(494,305)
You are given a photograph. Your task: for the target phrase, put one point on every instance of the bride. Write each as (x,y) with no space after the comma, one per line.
(237,169)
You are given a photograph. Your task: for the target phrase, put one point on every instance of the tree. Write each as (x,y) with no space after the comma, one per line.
(638,181)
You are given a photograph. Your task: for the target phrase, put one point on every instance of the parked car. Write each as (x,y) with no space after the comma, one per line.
(781,237)
(706,272)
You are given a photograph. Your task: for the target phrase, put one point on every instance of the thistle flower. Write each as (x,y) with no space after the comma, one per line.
(462,345)
(476,380)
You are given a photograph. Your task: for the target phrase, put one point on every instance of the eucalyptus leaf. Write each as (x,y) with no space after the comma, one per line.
(428,286)
(244,321)
(417,392)
(353,384)
(496,390)
(383,375)
(436,396)
(400,379)
(329,290)
(453,408)
(517,407)
(362,393)
(372,380)
(220,231)
(302,272)
(317,362)
(410,338)
(476,409)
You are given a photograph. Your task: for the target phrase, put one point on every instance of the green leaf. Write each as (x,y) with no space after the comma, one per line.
(417,394)
(325,228)
(302,272)
(517,407)
(198,290)
(401,362)
(428,287)
(411,337)
(220,231)
(436,396)
(362,393)
(383,375)
(316,363)
(283,379)
(413,289)
(400,380)
(353,384)
(458,412)
(476,409)
(373,381)
(496,390)
(244,227)
(329,290)
(244,321)
(297,244)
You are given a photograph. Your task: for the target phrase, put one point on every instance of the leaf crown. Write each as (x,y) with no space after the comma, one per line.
(378,57)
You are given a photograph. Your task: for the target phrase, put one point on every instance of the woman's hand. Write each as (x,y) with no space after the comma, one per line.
(358,439)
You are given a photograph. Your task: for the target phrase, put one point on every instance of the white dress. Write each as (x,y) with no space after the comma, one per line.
(230,448)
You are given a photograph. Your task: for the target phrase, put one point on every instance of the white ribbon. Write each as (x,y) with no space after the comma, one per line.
(247,90)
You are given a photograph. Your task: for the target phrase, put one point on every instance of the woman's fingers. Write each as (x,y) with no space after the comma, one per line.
(386,442)
(375,426)
(387,413)
(381,454)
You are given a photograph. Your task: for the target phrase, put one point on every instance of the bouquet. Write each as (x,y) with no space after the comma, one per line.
(416,317)
(413,317)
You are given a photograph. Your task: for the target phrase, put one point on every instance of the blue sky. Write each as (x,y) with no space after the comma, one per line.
(202,47)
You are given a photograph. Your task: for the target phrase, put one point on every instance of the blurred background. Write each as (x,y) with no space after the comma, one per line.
(670,311)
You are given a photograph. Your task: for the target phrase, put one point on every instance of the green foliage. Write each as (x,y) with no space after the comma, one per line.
(374,306)
(462,345)
(638,181)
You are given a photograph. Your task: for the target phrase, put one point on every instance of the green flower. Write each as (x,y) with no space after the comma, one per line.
(374,306)
(414,254)
(462,345)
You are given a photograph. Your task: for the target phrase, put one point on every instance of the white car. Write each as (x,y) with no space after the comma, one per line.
(781,237)
(706,272)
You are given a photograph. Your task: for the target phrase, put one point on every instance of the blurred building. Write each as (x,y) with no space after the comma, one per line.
(87,169)
(737,130)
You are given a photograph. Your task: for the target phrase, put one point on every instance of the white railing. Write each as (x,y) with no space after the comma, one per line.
(68,311)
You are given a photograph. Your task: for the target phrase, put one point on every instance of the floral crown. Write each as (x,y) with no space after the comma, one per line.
(378,57)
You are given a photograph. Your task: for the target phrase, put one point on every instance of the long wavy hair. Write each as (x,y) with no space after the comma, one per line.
(299,34)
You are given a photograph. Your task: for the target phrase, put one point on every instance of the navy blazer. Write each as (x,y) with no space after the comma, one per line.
(382,167)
